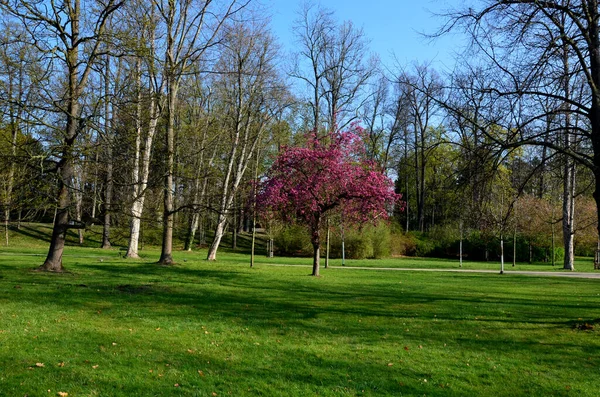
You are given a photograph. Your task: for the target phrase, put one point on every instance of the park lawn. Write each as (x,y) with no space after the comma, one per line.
(116,327)
(35,237)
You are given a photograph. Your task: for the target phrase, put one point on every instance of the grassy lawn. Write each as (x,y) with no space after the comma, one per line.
(116,327)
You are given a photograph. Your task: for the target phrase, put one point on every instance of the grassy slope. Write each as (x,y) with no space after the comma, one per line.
(131,328)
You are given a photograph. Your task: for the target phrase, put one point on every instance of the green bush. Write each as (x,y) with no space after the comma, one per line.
(293,240)
(402,244)
(369,242)
(381,240)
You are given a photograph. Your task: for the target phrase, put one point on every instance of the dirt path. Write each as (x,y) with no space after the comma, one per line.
(506,272)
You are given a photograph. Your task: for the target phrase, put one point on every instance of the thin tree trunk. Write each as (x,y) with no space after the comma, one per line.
(12,168)
(219,231)
(501,254)
(95,193)
(460,246)
(569,175)
(316,243)
(166,257)
(140,174)
(327,245)
(514,247)
(79,183)
(108,141)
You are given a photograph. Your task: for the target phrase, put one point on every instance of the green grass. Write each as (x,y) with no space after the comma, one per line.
(116,327)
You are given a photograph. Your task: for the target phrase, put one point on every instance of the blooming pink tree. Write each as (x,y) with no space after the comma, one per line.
(329,174)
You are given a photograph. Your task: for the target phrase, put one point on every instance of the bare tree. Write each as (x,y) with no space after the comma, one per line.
(148,89)
(541,50)
(190,30)
(251,93)
(334,63)
(62,32)
(421,90)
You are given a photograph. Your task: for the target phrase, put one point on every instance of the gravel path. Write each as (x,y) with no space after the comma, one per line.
(506,272)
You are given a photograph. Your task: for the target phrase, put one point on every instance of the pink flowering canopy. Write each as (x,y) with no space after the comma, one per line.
(328,174)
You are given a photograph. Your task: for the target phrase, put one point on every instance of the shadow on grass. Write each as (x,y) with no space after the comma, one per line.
(235,293)
(356,311)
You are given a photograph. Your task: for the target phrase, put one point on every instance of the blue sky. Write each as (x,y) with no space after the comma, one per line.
(392,26)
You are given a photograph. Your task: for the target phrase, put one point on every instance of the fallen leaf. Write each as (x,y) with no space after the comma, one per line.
(94,366)
(200,373)
(61,364)
(214,394)
(406,348)
(158,329)
(176,385)
(39,365)
(390,364)
(420,347)
(62,394)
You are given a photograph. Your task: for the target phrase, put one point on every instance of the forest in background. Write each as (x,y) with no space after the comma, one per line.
(158,116)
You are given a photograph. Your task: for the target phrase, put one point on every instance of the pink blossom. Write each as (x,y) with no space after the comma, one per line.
(329,174)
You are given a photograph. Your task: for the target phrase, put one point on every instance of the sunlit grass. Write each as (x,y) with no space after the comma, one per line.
(118,327)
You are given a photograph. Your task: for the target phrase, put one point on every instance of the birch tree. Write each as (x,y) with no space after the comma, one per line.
(148,96)
(190,30)
(251,90)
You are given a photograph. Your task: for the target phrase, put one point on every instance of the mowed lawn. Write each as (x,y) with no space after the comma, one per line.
(116,327)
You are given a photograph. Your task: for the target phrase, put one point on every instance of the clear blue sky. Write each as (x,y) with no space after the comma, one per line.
(392,26)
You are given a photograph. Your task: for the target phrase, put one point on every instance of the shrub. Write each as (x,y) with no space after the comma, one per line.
(370,242)
(292,241)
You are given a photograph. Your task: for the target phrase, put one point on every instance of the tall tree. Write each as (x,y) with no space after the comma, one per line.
(252,94)
(148,104)
(540,50)
(61,32)
(190,30)
(421,90)
(334,64)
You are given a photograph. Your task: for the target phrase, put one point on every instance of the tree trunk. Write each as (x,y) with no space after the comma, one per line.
(140,174)
(327,246)
(11,170)
(166,257)
(219,231)
(514,247)
(569,173)
(53,262)
(108,197)
(95,197)
(501,255)
(315,239)
(193,226)
(108,141)
(79,183)
(460,246)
